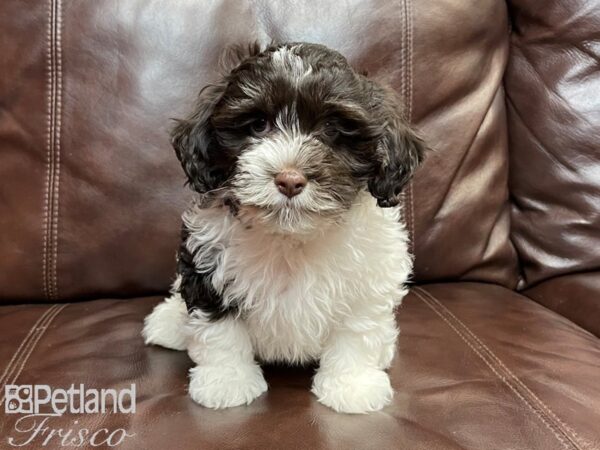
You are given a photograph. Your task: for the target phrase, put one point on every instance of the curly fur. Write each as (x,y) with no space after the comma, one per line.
(313,277)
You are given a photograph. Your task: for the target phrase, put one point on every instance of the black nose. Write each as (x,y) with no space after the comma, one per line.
(290,182)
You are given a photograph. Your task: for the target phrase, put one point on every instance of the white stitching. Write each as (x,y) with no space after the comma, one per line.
(409,106)
(405,194)
(534,397)
(39,332)
(57,144)
(494,370)
(409,59)
(50,276)
(18,353)
(574,437)
(406,93)
(403,54)
(54,125)
(49,145)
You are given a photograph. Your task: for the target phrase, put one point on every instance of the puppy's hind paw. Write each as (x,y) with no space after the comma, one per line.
(355,392)
(166,324)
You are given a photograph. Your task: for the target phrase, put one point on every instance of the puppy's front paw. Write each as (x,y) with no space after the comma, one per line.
(355,392)
(165,325)
(226,386)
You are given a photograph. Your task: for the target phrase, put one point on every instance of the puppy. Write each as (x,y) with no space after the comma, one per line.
(294,250)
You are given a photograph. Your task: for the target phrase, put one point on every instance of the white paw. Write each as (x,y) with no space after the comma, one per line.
(355,392)
(226,386)
(166,324)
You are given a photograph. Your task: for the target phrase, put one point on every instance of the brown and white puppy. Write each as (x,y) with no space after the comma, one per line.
(294,249)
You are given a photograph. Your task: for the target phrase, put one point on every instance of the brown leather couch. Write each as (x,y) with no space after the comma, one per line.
(499,346)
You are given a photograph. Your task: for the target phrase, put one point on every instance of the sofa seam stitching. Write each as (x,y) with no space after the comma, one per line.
(406,93)
(409,61)
(409,94)
(49,147)
(55,221)
(25,342)
(43,329)
(40,330)
(542,414)
(495,370)
(567,429)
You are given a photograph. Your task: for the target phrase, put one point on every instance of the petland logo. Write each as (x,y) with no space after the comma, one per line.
(41,403)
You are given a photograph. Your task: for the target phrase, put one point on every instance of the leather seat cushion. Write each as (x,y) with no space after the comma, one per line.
(478,366)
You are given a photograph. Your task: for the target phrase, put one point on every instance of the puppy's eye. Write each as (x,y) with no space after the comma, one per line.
(260,127)
(330,130)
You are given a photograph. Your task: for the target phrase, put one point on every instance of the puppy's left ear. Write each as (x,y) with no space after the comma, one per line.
(399,152)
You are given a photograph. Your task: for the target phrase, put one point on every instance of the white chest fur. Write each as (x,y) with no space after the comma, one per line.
(292,293)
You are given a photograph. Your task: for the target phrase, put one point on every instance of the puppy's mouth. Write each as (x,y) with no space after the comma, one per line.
(285,205)
(225,196)
(286,215)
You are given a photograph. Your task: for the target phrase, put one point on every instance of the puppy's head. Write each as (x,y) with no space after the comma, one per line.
(292,134)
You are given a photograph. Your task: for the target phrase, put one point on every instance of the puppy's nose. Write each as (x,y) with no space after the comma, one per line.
(290,182)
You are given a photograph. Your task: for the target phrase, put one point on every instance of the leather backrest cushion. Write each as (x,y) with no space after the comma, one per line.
(91,191)
(553,93)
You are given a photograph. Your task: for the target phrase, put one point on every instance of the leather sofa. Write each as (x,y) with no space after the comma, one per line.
(499,345)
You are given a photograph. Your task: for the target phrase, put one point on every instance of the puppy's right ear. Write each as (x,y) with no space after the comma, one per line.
(195,143)
(233,55)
